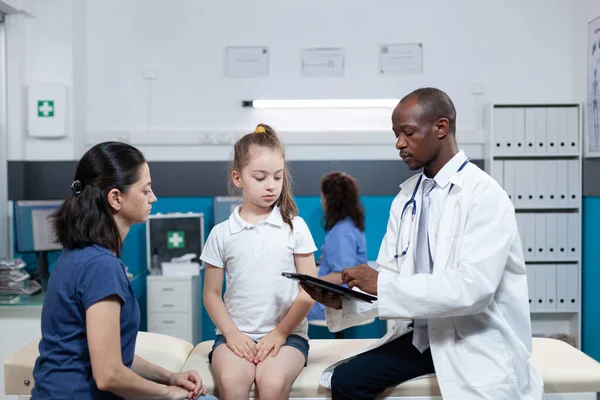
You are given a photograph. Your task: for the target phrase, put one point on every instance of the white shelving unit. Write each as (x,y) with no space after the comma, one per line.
(534,151)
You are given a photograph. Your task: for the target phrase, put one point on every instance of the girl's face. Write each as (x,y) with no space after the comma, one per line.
(261,180)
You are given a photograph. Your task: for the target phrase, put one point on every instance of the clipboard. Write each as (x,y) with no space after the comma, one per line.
(330,287)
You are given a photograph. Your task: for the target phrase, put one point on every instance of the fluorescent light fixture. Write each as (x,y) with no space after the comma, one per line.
(322,103)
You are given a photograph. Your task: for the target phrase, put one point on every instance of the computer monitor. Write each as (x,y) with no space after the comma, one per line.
(173,235)
(33,230)
(224,206)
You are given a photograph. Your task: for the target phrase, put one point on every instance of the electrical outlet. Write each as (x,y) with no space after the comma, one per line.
(150,71)
(124,137)
(477,88)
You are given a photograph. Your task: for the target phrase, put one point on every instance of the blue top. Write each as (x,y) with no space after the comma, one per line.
(81,278)
(344,247)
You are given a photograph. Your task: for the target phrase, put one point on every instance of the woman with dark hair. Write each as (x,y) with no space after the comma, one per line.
(344,222)
(90,317)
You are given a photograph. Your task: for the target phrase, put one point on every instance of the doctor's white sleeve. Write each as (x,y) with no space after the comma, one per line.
(355,312)
(465,288)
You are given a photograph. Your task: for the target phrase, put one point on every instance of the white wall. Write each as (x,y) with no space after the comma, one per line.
(40,49)
(521,51)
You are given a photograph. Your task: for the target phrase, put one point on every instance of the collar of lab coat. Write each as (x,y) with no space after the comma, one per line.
(447,175)
(237,224)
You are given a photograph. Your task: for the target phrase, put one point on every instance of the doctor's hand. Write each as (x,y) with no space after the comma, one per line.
(363,277)
(189,380)
(325,297)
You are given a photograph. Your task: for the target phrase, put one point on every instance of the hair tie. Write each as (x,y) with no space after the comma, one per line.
(260,129)
(76,187)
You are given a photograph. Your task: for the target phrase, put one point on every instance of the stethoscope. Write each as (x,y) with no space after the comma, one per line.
(412,203)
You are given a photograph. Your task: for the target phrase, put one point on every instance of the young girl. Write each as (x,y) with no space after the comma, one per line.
(344,222)
(261,324)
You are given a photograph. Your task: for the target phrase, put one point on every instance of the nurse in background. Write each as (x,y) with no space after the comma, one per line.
(344,222)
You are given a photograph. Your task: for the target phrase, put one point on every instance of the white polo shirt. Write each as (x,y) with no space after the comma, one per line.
(254,256)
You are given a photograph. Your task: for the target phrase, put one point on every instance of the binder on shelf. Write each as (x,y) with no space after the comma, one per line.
(550,275)
(562,183)
(574,233)
(540,130)
(530,130)
(541,187)
(521,178)
(540,237)
(552,130)
(574,185)
(573,288)
(533,183)
(518,136)
(562,236)
(551,237)
(563,130)
(573,129)
(540,288)
(562,287)
(499,130)
(530,243)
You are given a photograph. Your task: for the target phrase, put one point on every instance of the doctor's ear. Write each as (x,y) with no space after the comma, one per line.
(442,126)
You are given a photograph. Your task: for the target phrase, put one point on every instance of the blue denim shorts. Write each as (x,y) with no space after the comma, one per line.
(295,341)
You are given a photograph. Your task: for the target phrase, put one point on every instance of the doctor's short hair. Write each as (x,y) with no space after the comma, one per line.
(436,104)
(85,217)
(342,200)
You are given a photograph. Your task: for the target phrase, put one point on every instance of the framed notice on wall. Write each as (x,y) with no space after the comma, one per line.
(592,137)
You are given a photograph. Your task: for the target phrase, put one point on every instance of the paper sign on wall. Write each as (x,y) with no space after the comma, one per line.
(592,139)
(401,59)
(318,62)
(247,61)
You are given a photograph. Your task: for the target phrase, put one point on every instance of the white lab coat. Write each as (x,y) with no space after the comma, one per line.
(476,299)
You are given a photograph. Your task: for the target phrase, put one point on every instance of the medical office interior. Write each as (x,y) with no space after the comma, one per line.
(180,79)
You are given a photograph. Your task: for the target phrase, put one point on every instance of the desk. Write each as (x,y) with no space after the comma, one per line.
(20,323)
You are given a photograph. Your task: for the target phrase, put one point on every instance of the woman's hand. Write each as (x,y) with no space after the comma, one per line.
(179,393)
(241,345)
(188,380)
(269,344)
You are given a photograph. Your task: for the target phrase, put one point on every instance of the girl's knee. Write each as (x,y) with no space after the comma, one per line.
(272,387)
(234,385)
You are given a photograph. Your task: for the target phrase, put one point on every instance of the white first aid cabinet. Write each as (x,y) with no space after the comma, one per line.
(47,109)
